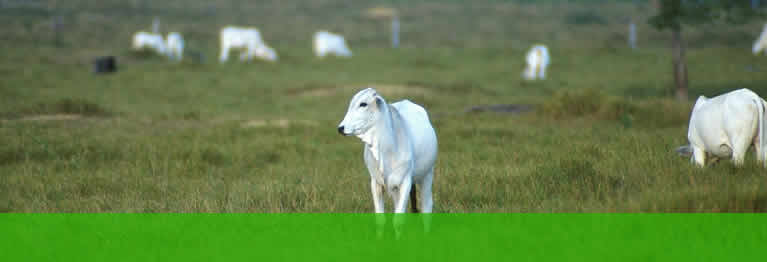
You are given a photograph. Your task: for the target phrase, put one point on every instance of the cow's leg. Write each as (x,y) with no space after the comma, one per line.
(377,190)
(739,149)
(426,196)
(378,203)
(224,54)
(538,69)
(426,200)
(401,196)
(543,72)
(698,156)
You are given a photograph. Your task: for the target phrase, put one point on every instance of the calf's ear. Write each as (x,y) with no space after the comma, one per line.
(379,102)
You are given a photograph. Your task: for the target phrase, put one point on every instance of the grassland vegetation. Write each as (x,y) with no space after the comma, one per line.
(261,137)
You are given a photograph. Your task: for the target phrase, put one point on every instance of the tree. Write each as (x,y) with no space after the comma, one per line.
(674,14)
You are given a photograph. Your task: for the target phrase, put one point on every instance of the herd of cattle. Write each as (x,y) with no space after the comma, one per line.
(251,45)
(247,40)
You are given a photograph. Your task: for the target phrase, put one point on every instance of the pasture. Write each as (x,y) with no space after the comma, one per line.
(261,137)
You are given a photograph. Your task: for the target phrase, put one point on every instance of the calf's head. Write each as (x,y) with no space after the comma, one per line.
(364,110)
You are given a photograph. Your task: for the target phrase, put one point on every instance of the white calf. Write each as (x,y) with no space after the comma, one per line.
(727,125)
(175,44)
(537,61)
(248,40)
(326,43)
(400,149)
(761,42)
(154,42)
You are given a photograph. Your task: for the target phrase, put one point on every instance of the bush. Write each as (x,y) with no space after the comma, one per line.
(71,106)
(578,102)
(594,103)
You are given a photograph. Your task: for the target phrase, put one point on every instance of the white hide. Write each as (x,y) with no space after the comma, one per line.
(761,42)
(400,147)
(726,125)
(537,61)
(175,44)
(267,53)
(154,42)
(248,41)
(326,43)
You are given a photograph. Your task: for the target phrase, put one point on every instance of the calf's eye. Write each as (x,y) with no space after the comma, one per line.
(363,104)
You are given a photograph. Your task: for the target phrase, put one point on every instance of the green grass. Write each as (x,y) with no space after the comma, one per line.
(261,137)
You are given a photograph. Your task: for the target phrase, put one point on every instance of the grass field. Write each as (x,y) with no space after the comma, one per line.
(261,137)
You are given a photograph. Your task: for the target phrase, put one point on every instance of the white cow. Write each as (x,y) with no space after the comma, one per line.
(761,42)
(327,43)
(154,42)
(248,40)
(175,44)
(537,61)
(400,149)
(726,125)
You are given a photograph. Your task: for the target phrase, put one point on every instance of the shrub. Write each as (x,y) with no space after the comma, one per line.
(71,106)
(592,102)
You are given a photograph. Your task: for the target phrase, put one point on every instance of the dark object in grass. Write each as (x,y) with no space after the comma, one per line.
(685,150)
(104,65)
(501,108)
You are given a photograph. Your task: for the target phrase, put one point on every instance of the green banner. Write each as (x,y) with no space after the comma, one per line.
(356,237)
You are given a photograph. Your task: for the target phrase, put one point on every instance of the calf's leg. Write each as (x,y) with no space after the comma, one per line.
(378,203)
(400,197)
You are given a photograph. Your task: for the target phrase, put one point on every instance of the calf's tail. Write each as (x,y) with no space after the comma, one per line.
(762,132)
(413,201)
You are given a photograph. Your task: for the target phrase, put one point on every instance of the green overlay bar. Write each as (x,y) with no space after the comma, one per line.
(355,237)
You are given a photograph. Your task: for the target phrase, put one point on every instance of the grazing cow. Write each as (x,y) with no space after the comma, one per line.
(537,61)
(400,149)
(761,42)
(326,43)
(248,40)
(175,44)
(725,126)
(154,42)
